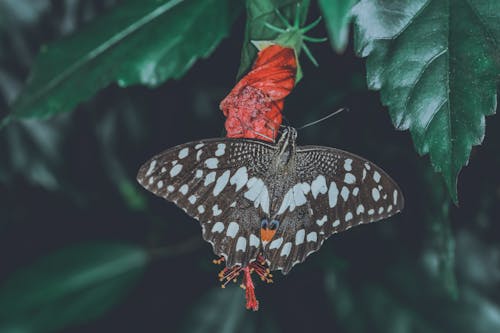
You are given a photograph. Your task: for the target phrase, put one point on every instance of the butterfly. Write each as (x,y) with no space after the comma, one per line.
(278,199)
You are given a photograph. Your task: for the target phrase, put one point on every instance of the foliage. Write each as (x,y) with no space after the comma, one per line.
(436,64)
(84,249)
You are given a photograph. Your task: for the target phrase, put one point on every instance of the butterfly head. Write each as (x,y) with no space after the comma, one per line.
(289,134)
(268,230)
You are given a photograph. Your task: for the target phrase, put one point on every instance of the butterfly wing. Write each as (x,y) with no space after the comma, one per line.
(210,181)
(341,190)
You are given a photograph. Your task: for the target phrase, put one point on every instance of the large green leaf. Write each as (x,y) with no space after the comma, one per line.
(137,42)
(337,15)
(436,64)
(260,12)
(71,286)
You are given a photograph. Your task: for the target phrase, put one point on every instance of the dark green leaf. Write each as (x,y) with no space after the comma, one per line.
(337,15)
(436,63)
(72,286)
(138,42)
(260,12)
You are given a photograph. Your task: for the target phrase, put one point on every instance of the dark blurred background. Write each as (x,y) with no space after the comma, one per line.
(71,179)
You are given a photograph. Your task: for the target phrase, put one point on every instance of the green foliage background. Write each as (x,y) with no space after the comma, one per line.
(90,89)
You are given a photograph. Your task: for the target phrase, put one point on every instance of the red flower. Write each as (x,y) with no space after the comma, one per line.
(258,266)
(253,108)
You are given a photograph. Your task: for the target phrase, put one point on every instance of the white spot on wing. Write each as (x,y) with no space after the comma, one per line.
(212,163)
(170,188)
(285,251)
(184,189)
(348,164)
(199,145)
(375,194)
(257,193)
(336,223)
(345,193)
(199,173)
(376,176)
(355,191)
(254,240)
(221,149)
(183,153)
(216,211)
(321,221)
(312,236)
(218,227)
(221,183)
(395,197)
(160,184)
(232,229)
(360,209)
(240,178)
(210,178)
(348,216)
(192,199)
(371,211)
(201,209)
(333,194)
(299,237)
(349,178)
(275,244)
(151,167)
(175,170)
(318,186)
(298,193)
(241,244)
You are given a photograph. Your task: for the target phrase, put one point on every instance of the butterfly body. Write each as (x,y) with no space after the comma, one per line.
(279,200)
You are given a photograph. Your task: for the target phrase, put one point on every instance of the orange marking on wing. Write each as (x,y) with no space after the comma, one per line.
(267,234)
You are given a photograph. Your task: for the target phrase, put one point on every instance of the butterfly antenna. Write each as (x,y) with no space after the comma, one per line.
(265,136)
(324,118)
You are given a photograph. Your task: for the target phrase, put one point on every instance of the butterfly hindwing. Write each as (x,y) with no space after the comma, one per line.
(208,179)
(335,191)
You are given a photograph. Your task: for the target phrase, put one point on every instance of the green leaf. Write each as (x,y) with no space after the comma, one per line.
(337,15)
(260,12)
(71,286)
(436,65)
(138,42)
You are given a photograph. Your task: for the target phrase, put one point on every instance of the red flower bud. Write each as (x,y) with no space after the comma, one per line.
(253,108)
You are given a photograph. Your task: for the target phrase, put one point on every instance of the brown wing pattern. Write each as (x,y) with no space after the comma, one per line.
(341,190)
(209,180)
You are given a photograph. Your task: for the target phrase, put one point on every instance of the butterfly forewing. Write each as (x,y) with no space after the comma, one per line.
(341,190)
(209,179)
